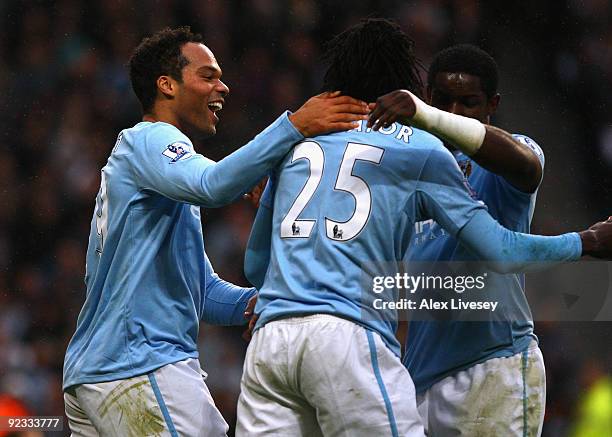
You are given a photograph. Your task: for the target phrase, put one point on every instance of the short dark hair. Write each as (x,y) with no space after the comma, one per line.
(370,59)
(159,55)
(466,58)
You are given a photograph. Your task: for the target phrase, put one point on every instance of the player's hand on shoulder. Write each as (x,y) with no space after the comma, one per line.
(329,112)
(597,240)
(398,105)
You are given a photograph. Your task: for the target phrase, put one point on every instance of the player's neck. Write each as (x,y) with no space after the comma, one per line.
(158,113)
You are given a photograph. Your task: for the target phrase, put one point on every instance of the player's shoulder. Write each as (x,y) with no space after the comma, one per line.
(426,158)
(394,135)
(431,143)
(531,143)
(161,133)
(406,148)
(422,151)
(433,147)
(402,137)
(148,137)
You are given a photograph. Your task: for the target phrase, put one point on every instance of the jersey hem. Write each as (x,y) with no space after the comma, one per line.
(71,382)
(502,353)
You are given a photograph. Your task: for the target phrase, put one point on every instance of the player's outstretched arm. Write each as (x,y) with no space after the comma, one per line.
(241,170)
(224,302)
(505,251)
(192,178)
(512,251)
(491,147)
(442,196)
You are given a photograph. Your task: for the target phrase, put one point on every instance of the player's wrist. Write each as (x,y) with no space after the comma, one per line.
(467,134)
(589,242)
(296,123)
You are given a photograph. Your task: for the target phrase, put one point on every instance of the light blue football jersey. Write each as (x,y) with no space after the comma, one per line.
(438,349)
(341,200)
(149,281)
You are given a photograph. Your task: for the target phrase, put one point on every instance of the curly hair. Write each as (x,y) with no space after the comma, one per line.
(159,55)
(370,59)
(469,59)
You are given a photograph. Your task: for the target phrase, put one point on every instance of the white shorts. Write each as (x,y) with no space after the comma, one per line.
(500,397)
(323,375)
(171,401)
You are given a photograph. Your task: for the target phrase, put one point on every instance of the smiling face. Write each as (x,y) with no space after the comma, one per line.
(462,94)
(200,94)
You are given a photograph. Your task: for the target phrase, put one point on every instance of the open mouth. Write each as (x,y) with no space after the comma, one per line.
(215,106)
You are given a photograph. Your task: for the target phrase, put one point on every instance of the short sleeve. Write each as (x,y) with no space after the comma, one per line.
(523,139)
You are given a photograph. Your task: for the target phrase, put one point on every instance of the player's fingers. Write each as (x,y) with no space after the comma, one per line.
(384,107)
(346,118)
(252,323)
(350,108)
(343,126)
(329,94)
(341,100)
(375,115)
(385,120)
(252,197)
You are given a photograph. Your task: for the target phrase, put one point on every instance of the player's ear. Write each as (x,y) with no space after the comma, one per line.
(166,85)
(493,103)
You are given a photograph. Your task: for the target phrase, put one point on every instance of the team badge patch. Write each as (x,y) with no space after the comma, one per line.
(177,151)
(529,143)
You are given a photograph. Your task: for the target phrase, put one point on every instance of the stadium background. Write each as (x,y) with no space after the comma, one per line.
(66,96)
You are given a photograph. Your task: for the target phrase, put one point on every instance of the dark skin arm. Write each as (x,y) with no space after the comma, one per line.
(499,153)
(503,155)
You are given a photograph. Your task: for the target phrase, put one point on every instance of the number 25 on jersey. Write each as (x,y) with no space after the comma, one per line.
(346,181)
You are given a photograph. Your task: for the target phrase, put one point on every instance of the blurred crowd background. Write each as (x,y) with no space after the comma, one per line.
(66,95)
